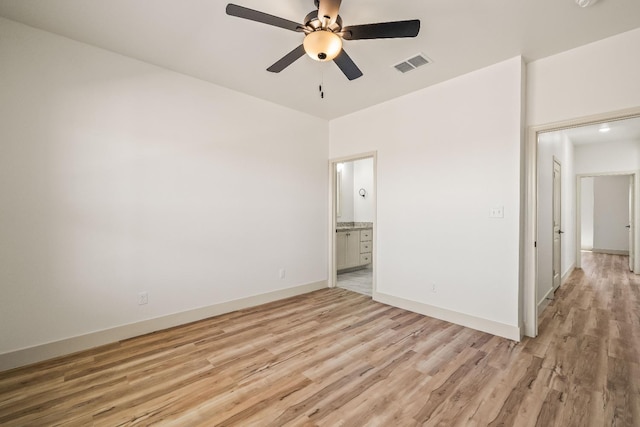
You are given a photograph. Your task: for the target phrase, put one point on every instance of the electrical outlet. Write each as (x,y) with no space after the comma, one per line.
(497,212)
(433,288)
(282,273)
(143,298)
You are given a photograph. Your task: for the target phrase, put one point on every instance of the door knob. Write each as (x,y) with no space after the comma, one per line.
(627,226)
(560,232)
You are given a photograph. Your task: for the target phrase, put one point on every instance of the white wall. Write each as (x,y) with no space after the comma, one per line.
(355,175)
(609,157)
(550,145)
(611,213)
(118,177)
(586,212)
(346,193)
(363,178)
(435,192)
(596,78)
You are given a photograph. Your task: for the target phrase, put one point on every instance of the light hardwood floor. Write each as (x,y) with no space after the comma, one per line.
(335,357)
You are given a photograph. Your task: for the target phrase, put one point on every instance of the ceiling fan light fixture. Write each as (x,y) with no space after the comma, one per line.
(322,45)
(324,34)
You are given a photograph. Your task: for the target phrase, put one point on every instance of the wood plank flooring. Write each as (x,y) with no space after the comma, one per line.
(334,357)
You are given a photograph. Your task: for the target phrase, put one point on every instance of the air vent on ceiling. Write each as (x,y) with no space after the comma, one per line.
(412,63)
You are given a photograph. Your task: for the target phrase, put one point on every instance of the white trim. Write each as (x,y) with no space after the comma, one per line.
(530,313)
(511,332)
(553,207)
(530,320)
(67,346)
(609,251)
(331,247)
(567,273)
(578,210)
(544,302)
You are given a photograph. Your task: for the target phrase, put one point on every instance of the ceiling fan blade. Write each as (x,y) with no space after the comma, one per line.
(328,8)
(287,60)
(348,67)
(382,30)
(265,18)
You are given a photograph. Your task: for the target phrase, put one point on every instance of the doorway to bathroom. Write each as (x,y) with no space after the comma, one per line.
(353,223)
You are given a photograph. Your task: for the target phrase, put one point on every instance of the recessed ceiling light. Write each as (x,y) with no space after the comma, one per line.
(585,3)
(604,128)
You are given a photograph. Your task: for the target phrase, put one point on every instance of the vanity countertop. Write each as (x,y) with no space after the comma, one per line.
(345,226)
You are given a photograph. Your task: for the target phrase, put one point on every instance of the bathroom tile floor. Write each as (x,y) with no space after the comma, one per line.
(360,281)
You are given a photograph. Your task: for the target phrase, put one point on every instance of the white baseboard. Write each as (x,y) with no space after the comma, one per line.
(609,251)
(496,328)
(67,346)
(567,273)
(544,302)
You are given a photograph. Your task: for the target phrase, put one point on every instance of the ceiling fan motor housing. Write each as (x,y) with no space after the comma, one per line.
(312,22)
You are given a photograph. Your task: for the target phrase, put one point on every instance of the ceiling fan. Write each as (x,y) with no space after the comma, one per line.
(323,34)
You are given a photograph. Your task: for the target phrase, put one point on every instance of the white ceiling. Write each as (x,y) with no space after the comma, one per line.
(619,131)
(197,38)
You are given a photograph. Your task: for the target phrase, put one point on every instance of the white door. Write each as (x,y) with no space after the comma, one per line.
(557,231)
(631,222)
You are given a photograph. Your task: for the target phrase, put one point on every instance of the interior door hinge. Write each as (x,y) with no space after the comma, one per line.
(535,244)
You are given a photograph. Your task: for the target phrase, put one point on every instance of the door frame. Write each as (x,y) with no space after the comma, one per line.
(529,316)
(333,189)
(635,174)
(553,226)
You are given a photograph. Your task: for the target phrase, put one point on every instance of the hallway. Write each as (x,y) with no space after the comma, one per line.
(589,347)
